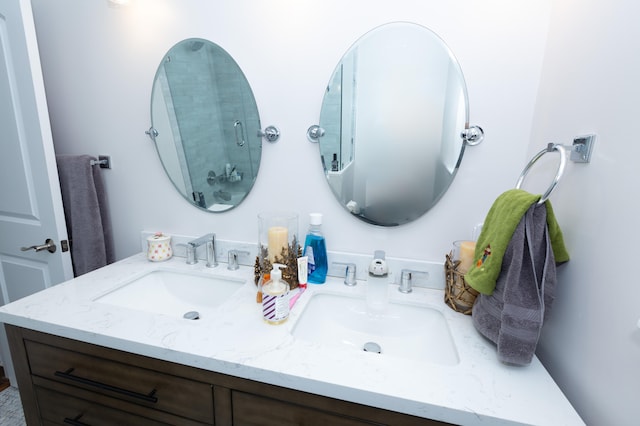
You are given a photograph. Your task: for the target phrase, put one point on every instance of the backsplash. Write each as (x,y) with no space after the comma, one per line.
(247,253)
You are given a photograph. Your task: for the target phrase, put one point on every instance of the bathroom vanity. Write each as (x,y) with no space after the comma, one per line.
(83,357)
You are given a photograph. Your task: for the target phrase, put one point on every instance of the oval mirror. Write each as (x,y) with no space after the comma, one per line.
(392,117)
(205,125)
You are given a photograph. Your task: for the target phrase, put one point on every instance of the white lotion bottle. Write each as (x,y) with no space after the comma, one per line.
(275,297)
(377,284)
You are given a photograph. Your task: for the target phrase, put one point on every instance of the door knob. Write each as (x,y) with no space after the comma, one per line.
(48,245)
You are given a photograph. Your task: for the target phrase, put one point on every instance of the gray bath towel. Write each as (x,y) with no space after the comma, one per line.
(512,317)
(87,216)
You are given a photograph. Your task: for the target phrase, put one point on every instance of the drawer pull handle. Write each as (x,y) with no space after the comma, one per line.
(75,421)
(150,397)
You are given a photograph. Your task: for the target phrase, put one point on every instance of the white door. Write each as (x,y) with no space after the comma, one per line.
(31,209)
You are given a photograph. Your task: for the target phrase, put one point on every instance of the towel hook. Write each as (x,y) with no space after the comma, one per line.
(563,161)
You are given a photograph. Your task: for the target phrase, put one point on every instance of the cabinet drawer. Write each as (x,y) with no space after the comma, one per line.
(58,408)
(134,384)
(285,407)
(255,410)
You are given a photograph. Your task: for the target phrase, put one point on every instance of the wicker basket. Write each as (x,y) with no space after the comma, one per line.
(457,293)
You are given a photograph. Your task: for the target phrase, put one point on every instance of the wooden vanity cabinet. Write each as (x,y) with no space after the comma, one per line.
(64,380)
(77,383)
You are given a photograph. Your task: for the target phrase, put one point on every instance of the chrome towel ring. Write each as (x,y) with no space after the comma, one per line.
(563,161)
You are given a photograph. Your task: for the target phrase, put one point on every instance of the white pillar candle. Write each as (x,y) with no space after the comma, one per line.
(467,250)
(278,239)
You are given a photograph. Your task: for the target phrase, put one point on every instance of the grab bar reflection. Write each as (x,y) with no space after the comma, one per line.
(238,124)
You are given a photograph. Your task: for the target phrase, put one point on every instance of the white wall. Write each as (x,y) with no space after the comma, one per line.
(590,85)
(99,64)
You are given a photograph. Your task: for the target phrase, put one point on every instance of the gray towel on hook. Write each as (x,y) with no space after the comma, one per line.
(512,317)
(86,212)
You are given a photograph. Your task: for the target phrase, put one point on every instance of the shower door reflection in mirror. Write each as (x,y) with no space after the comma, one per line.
(207,123)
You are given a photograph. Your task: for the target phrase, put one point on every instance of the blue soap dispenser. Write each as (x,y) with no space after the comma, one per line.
(315,249)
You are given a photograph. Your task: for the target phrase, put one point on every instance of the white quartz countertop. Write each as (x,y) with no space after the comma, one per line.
(478,390)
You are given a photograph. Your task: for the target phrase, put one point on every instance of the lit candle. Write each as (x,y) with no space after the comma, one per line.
(278,240)
(467,250)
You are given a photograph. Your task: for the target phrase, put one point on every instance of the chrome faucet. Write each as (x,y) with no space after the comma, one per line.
(210,241)
(406,279)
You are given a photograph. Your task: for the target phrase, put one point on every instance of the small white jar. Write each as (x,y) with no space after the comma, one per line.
(159,247)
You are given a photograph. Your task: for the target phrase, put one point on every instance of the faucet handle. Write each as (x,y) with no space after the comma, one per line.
(406,279)
(349,273)
(192,259)
(190,253)
(233,259)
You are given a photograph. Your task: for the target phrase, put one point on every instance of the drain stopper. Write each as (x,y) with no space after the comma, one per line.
(372,347)
(191,315)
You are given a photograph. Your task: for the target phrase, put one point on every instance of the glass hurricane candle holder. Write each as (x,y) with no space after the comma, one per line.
(458,295)
(278,243)
(464,251)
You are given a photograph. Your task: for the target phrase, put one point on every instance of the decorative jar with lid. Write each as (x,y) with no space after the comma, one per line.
(159,247)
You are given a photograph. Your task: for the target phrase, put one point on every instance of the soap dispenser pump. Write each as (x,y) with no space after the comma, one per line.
(275,297)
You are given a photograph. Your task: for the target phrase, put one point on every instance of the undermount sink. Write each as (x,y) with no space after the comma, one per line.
(179,294)
(404,331)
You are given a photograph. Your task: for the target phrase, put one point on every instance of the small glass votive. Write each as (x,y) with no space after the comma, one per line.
(458,295)
(464,251)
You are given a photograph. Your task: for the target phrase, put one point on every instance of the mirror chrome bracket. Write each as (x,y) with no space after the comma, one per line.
(314,133)
(152,133)
(473,135)
(270,134)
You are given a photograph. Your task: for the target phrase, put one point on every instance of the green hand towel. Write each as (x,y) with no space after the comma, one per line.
(498,228)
